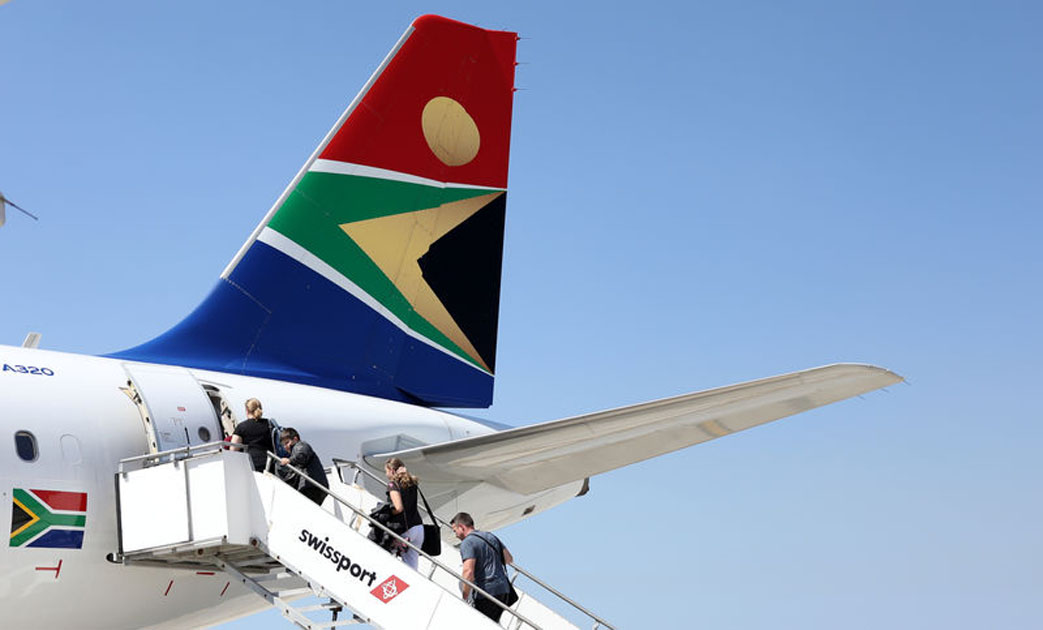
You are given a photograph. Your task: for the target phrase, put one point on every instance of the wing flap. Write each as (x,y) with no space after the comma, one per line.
(535,458)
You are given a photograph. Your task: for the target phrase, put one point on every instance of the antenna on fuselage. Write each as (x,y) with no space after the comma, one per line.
(4,201)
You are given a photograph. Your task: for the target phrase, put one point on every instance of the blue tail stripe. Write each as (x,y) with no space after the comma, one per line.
(276,318)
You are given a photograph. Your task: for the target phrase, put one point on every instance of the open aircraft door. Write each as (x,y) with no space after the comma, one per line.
(175,409)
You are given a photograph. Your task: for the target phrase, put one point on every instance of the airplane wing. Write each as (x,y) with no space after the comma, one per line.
(538,457)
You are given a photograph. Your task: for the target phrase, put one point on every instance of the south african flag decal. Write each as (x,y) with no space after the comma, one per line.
(48,518)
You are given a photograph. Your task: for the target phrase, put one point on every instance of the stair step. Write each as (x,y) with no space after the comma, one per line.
(313,608)
(337,624)
(245,557)
(293,592)
(271,577)
(254,565)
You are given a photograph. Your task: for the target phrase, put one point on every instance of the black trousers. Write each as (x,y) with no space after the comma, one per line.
(314,493)
(488,608)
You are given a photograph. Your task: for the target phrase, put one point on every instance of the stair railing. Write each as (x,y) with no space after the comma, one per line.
(275,460)
(341,464)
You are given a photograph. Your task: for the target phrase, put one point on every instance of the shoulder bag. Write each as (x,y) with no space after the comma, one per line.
(432,544)
(512,595)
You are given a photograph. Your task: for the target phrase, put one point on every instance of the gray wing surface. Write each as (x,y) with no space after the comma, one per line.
(538,457)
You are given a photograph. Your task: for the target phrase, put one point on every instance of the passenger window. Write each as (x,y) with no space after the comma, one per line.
(25,445)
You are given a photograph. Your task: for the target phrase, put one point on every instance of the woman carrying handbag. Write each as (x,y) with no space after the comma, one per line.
(402,492)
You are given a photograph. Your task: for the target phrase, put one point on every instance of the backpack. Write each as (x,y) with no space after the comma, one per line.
(276,444)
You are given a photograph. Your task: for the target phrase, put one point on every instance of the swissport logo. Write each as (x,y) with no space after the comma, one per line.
(48,518)
(389,589)
(323,547)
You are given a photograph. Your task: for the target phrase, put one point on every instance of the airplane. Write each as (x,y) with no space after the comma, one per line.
(364,303)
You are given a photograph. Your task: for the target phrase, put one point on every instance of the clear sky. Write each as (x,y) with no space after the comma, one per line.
(700,194)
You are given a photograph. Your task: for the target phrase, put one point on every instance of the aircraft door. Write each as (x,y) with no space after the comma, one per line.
(174,407)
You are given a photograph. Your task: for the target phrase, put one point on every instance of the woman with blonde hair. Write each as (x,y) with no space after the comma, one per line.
(255,433)
(402,493)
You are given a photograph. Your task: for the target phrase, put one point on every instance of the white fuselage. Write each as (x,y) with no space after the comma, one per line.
(84,424)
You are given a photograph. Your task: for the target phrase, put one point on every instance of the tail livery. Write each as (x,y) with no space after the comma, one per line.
(378,269)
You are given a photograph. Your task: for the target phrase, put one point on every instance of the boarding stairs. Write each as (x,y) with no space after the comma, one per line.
(204,508)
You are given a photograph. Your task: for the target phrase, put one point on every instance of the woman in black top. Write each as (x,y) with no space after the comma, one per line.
(402,492)
(255,433)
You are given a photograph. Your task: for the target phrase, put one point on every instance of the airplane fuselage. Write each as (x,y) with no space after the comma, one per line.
(82,422)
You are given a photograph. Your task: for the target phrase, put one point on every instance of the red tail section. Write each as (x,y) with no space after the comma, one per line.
(420,119)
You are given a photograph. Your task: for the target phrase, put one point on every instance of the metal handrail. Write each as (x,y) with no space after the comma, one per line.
(599,622)
(273,458)
(187,451)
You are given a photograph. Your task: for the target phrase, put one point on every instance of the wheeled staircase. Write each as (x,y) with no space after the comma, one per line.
(204,508)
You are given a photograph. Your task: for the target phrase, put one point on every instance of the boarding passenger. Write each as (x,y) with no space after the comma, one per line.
(402,494)
(303,458)
(255,433)
(485,564)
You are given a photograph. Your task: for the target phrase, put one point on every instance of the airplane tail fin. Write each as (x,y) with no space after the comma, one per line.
(378,269)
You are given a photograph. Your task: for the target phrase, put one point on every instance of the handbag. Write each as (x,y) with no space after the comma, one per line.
(432,544)
(512,595)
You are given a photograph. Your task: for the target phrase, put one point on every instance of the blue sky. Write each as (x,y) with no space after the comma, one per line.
(700,194)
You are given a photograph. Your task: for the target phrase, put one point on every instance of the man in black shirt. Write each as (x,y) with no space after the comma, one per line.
(303,458)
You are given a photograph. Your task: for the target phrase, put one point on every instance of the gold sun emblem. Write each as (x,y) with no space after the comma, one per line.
(450,131)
